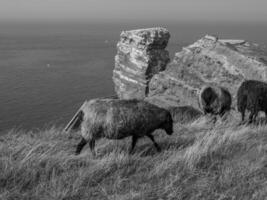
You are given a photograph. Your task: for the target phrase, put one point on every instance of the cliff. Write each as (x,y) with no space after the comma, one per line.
(142,69)
(208,61)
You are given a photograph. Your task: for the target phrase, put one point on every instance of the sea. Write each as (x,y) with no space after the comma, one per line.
(47,70)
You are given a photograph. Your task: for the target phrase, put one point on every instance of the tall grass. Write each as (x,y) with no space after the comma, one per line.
(199,161)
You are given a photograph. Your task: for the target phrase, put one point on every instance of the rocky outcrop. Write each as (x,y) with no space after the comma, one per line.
(140,55)
(209,61)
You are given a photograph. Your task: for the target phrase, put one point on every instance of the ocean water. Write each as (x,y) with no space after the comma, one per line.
(45,78)
(47,71)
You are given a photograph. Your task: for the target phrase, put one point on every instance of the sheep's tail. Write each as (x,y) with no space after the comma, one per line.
(76,120)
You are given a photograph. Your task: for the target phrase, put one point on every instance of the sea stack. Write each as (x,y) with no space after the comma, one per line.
(140,55)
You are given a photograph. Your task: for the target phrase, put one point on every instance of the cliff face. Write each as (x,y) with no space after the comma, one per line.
(208,61)
(141,71)
(140,55)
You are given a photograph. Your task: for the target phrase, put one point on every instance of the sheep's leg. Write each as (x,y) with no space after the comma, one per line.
(214,119)
(252,116)
(134,140)
(154,142)
(242,118)
(92,147)
(241,107)
(80,146)
(255,116)
(222,114)
(243,115)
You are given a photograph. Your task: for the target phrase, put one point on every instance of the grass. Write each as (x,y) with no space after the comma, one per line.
(199,161)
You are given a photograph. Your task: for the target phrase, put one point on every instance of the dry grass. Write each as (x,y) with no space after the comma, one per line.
(199,161)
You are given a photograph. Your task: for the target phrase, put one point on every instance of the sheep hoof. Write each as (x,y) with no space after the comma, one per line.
(158,149)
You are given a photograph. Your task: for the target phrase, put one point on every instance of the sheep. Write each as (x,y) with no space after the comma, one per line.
(184,114)
(215,100)
(252,96)
(118,119)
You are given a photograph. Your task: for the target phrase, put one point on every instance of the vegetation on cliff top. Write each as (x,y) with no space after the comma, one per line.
(198,161)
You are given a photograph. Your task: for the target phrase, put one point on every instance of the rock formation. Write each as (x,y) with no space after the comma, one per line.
(140,55)
(208,61)
(141,71)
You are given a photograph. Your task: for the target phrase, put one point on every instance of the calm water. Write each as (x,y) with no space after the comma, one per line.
(47,71)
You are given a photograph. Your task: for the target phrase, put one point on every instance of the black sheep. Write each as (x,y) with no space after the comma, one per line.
(252,96)
(215,100)
(117,119)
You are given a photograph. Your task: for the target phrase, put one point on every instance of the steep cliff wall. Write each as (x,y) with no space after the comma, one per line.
(141,71)
(140,55)
(208,61)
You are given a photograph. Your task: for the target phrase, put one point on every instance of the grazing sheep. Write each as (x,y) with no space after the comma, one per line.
(117,119)
(184,114)
(252,96)
(215,100)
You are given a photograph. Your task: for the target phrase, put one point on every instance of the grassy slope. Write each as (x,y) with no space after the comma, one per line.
(198,161)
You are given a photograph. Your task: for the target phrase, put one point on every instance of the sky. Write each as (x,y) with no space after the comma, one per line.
(114,10)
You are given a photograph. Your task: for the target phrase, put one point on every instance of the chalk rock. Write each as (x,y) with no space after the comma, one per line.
(208,61)
(140,55)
